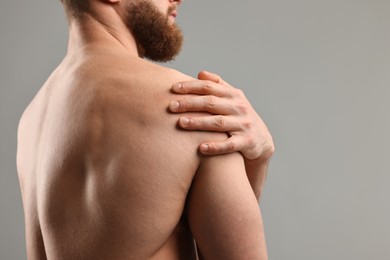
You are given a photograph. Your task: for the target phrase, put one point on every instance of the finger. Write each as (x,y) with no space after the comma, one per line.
(230,145)
(211,104)
(231,92)
(209,123)
(206,75)
(201,87)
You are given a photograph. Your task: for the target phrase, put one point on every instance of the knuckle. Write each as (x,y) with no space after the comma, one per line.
(209,101)
(239,92)
(182,104)
(271,149)
(268,151)
(247,124)
(206,87)
(208,83)
(243,108)
(219,121)
(232,147)
(184,87)
(266,147)
(251,142)
(213,148)
(271,146)
(193,123)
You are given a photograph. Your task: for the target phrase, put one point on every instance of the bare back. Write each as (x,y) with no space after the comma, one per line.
(90,117)
(105,173)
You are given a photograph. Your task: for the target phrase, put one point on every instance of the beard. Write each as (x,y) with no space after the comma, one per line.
(160,40)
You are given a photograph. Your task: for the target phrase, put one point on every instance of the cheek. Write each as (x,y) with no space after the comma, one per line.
(162,5)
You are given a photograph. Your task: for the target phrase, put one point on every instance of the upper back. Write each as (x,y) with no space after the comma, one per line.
(100,161)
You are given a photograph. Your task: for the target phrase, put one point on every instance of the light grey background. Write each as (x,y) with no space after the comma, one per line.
(317,72)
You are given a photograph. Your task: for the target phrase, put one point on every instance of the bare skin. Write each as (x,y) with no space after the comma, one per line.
(106,174)
(230,112)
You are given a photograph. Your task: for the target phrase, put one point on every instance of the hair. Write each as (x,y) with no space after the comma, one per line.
(75,8)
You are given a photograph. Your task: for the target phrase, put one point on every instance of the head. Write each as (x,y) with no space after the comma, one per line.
(151,22)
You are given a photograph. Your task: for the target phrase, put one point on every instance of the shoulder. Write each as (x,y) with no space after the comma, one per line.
(127,100)
(133,77)
(133,69)
(133,96)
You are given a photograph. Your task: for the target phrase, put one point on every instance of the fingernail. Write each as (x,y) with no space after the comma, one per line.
(177,86)
(174,106)
(184,121)
(205,147)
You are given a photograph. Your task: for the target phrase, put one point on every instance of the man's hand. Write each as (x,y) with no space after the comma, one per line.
(231,113)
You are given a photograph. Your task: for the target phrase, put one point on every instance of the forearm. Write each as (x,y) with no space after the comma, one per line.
(256,171)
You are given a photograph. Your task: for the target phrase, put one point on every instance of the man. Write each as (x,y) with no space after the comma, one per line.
(104,171)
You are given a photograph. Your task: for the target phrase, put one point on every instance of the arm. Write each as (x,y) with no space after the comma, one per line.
(232,113)
(223,212)
(256,171)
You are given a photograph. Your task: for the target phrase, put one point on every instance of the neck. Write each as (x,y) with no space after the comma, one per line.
(107,29)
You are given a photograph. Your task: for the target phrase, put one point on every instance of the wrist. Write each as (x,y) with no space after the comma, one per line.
(260,151)
(256,170)
(264,158)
